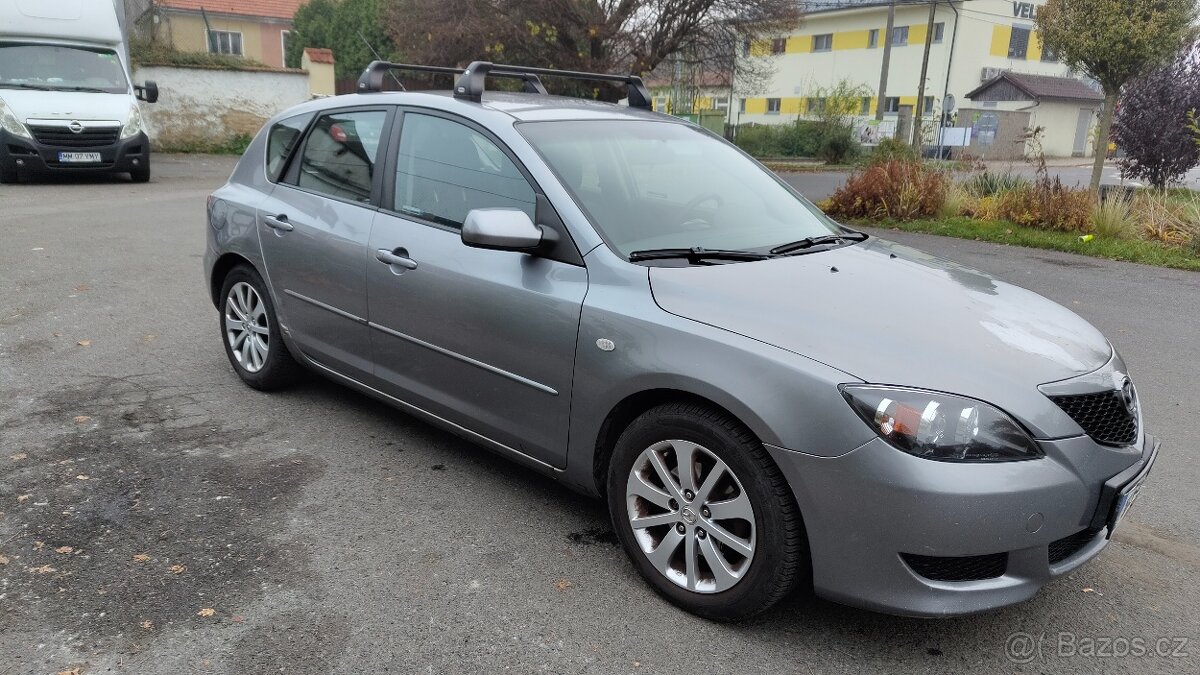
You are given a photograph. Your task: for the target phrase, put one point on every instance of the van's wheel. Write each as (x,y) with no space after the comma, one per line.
(8,175)
(706,516)
(250,332)
(140,175)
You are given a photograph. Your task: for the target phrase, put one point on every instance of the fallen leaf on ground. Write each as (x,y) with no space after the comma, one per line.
(148,337)
(207,611)
(56,334)
(562,585)
(83,476)
(84,343)
(1089,590)
(44,569)
(177,569)
(39,545)
(64,549)
(21,498)
(3,560)
(82,287)
(74,671)
(81,419)
(18,457)
(148,625)
(140,557)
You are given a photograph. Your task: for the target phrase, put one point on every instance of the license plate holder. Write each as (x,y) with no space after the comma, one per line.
(79,157)
(1128,494)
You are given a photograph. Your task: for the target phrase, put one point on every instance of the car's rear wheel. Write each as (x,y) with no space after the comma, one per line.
(250,332)
(704,513)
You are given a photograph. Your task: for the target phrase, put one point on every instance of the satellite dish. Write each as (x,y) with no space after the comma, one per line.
(948,103)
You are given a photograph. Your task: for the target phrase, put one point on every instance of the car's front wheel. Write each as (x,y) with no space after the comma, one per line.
(250,332)
(704,513)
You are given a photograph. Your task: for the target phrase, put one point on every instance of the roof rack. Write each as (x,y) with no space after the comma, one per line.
(372,78)
(470,83)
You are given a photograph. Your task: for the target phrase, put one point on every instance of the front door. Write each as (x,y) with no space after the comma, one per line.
(485,339)
(314,228)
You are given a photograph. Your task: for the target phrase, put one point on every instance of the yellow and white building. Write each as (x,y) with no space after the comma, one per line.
(974,41)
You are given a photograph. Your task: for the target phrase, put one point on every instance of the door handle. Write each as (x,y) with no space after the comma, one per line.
(399,258)
(278,223)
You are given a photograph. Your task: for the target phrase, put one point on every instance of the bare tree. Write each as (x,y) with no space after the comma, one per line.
(593,35)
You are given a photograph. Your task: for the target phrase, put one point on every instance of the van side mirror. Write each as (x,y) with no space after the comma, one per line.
(502,229)
(147,92)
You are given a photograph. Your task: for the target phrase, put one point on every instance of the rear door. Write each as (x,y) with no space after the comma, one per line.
(314,229)
(485,339)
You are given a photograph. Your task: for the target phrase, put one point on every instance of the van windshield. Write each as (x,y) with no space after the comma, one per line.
(651,185)
(61,68)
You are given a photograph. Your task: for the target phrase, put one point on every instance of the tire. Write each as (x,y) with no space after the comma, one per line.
(140,175)
(259,355)
(778,558)
(8,175)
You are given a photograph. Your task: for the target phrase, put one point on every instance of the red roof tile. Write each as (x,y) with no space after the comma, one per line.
(319,54)
(275,9)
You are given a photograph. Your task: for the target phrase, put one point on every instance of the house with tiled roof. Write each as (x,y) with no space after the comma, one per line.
(254,29)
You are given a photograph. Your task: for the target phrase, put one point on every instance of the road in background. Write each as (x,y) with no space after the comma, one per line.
(328,533)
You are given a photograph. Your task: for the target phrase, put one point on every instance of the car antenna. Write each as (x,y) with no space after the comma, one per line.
(380,58)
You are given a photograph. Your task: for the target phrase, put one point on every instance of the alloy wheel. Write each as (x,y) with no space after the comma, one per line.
(246,327)
(690,516)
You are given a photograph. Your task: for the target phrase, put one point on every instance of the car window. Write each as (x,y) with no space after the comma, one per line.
(445,169)
(339,155)
(281,139)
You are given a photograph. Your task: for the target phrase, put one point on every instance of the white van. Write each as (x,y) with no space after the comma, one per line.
(66,100)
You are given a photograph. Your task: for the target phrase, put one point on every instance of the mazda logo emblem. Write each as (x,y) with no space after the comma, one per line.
(75,127)
(1129,396)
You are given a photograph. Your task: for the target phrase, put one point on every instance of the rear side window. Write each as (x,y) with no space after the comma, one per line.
(281,140)
(339,155)
(446,169)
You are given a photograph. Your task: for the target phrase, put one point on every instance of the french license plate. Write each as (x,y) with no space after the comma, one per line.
(78,157)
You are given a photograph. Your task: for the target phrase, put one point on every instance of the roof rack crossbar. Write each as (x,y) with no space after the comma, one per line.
(372,78)
(470,84)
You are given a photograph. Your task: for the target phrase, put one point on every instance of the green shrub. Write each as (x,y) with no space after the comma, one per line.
(146,53)
(1112,218)
(838,146)
(892,150)
(802,138)
(992,184)
(891,190)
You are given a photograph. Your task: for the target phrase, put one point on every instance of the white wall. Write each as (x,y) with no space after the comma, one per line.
(207,106)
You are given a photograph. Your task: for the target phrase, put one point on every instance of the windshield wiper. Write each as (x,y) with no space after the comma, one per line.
(90,90)
(696,254)
(810,242)
(25,85)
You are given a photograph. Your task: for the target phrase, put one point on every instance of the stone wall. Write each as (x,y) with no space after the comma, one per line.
(202,108)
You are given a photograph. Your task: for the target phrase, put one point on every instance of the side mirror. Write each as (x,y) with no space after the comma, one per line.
(503,229)
(147,92)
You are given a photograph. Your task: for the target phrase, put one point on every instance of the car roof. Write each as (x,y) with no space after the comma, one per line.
(518,105)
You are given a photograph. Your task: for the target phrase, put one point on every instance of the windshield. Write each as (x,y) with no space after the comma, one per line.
(652,185)
(56,67)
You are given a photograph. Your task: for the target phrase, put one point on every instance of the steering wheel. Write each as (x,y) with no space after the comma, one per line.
(689,222)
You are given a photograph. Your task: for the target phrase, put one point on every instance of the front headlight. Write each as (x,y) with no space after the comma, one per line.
(135,125)
(940,426)
(10,123)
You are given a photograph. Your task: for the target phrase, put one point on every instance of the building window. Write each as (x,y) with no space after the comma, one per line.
(721,103)
(873,38)
(741,105)
(866,106)
(814,105)
(822,43)
(899,36)
(928,105)
(746,47)
(778,45)
(1018,43)
(225,42)
(939,31)
(773,106)
(285,36)
(891,104)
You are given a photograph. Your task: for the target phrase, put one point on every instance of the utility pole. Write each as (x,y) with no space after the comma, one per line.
(887,61)
(920,107)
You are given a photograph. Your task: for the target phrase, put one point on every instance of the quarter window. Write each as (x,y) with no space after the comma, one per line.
(340,153)
(283,137)
(446,169)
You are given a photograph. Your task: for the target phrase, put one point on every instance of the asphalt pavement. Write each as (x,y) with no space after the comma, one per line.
(157,516)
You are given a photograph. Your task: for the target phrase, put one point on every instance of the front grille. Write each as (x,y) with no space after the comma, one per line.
(961,568)
(1066,547)
(1103,416)
(62,137)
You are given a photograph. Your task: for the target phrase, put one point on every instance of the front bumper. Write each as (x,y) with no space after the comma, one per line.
(1040,519)
(27,155)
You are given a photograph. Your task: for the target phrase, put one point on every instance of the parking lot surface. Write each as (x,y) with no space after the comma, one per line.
(157,516)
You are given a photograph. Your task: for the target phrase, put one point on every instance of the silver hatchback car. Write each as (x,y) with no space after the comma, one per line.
(622,300)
